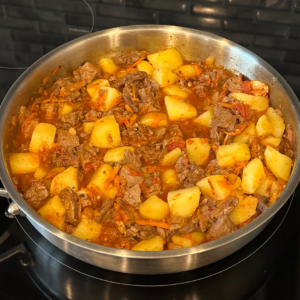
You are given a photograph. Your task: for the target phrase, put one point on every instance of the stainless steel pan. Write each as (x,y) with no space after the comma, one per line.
(194,45)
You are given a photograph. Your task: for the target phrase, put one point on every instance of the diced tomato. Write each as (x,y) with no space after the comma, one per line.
(243,109)
(246,87)
(176,144)
(135,173)
(88,167)
(156,181)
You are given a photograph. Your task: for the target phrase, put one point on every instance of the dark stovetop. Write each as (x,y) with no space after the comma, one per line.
(270,28)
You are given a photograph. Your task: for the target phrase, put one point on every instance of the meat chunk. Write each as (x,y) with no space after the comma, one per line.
(141,232)
(92,115)
(69,199)
(173,131)
(126,60)
(66,139)
(182,167)
(130,78)
(262,204)
(65,157)
(235,84)
(149,153)
(195,174)
(132,177)
(130,159)
(132,196)
(24,113)
(106,211)
(73,118)
(87,72)
(222,227)
(128,96)
(152,184)
(86,152)
(36,194)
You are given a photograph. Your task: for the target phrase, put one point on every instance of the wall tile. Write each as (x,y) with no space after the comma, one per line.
(257,28)
(169,5)
(279,43)
(239,38)
(251,3)
(19,24)
(63,6)
(292,56)
(26,13)
(65,29)
(268,54)
(126,13)
(26,3)
(189,21)
(225,12)
(278,17)
(295,32)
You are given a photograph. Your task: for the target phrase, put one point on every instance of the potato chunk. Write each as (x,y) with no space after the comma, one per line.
(95,85)
(106,133)
(145,67)
(154,244)
(229,155)
(169,177)
(264,188)
(258,103)
(215,186)
(42,137)
(41,172)
(174,90)
(195,239)
(154,208)
(88,126)
(276,122)
(116,154)
(253,176)
(109,98)
(88,230)
(98,179)
(263,126)
(279,164)
(155,119)
(177,109)
(67,178)
(205,119)
(186,70)
(164,77)
(171,157)
(170,58)
(245,209)
(246,134)
(65,109)
(24,162)
(108,65)
(183,203)
(198,150)
(54,212)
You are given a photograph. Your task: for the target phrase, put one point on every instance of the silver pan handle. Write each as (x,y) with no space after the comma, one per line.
(4,193)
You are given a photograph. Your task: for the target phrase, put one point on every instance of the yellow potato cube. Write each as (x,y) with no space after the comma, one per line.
(245,209)
(170,58)
(215,186)
(276,121)
(171,157)
(67,178)
(177,109)
(164,77)
(154,208)
(205,119)
(24,162)
(253,176)
(106,133)
(229,155)
(246,134)
(198,150)
(154,244)
(258,103)
(65,109)
(273,141)
(95,85)
(155,119)
(264,188)
(116,154)
(183,203)
(279,164)
(41,172)
(42,137)
(183,242)
(111,99)
(210,60)
(88,126)
(174,90)
(98,179)
(259,88)
(186,70)
(263,126)
(169,177)
(54,212)
(88,230)
(108,65)
(145,67)
(234,180)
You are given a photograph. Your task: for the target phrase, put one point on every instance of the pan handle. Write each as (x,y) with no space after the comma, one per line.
(4,193)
